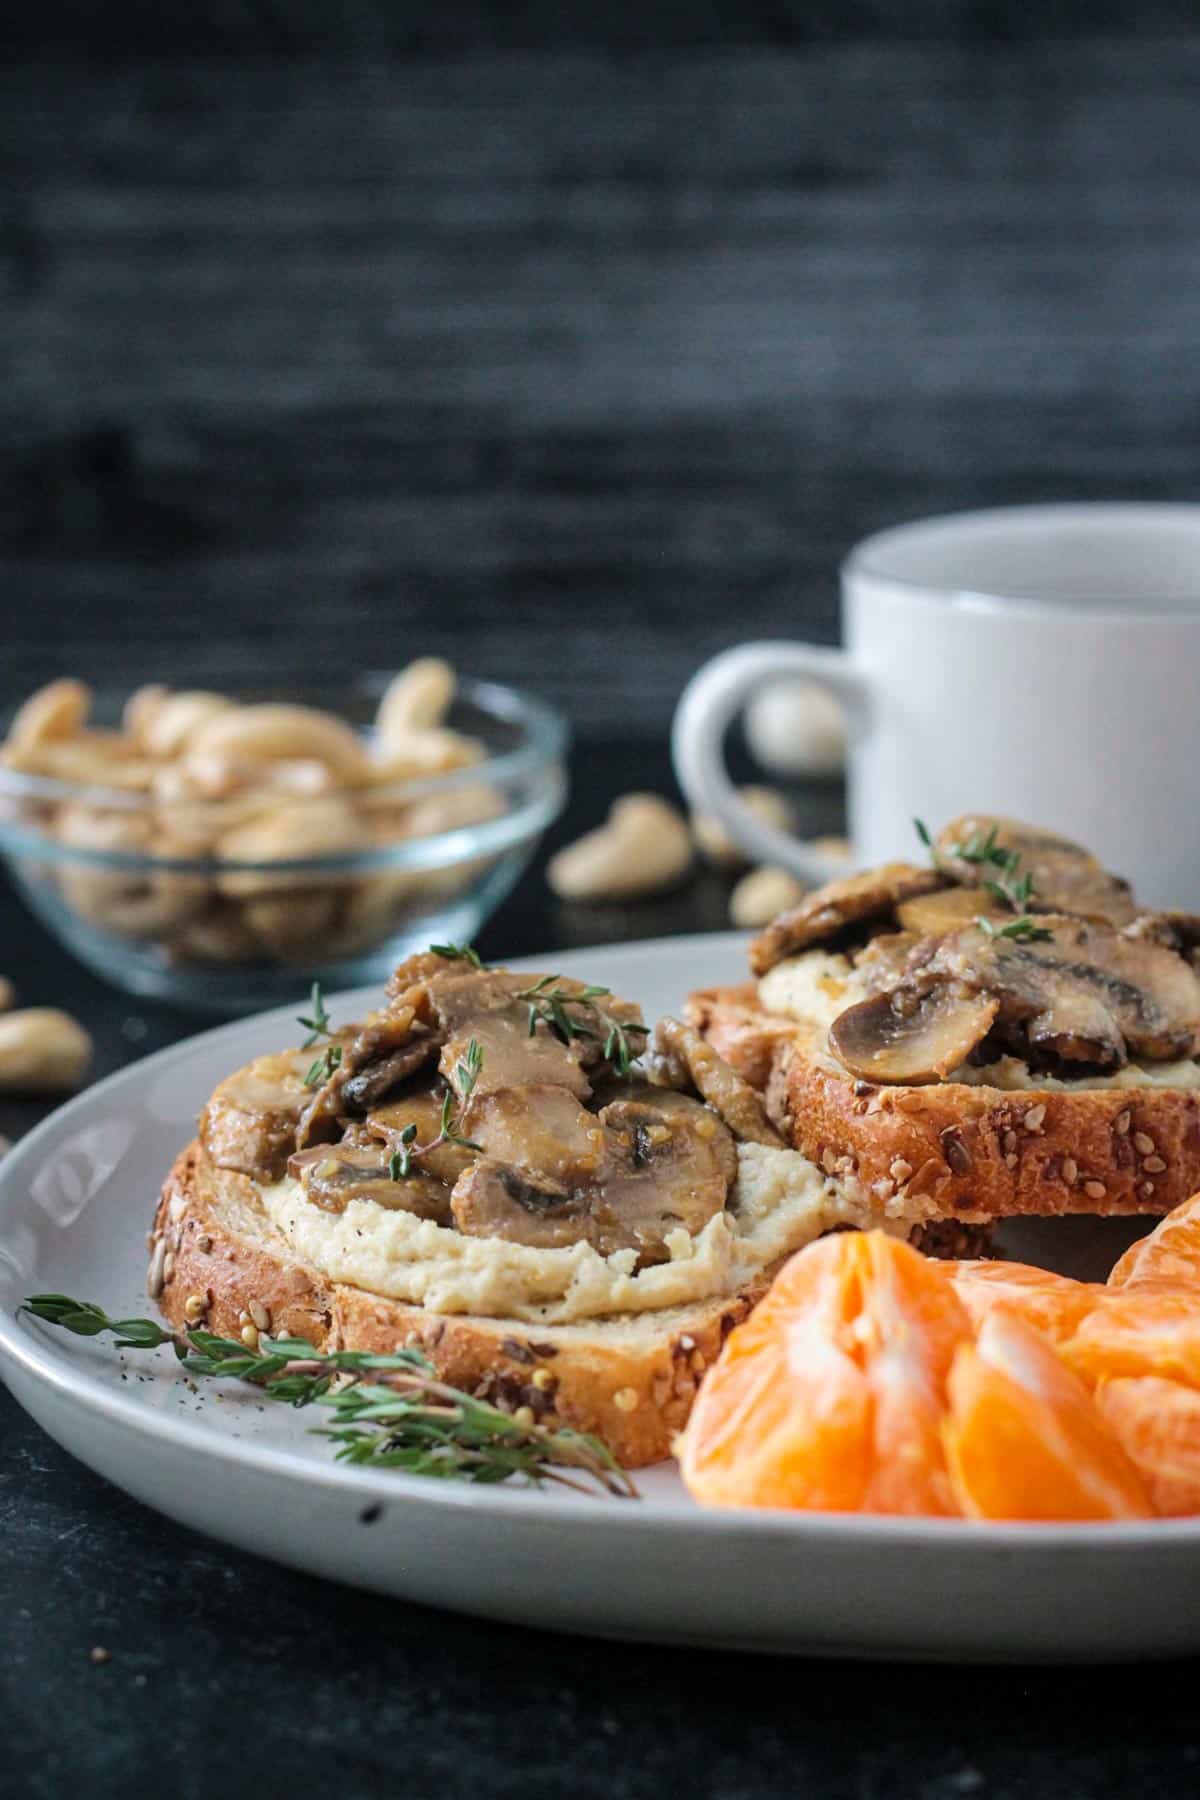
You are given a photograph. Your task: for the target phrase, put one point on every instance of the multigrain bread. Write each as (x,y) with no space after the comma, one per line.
(217,1259)
(1005,1030)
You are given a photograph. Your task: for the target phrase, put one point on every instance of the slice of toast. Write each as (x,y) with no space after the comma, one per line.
(979,1153)
(629,1379)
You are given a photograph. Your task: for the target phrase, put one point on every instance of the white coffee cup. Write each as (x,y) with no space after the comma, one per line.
(1041,662)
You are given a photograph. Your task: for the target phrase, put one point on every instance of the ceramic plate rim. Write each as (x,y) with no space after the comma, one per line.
(38,1357)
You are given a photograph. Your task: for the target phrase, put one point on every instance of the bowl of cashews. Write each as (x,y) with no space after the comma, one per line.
(220,848)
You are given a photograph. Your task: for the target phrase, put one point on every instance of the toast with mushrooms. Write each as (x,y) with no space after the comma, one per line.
(1003,1031)
(563,1210)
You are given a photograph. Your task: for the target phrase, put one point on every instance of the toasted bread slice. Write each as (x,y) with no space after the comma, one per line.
(979,1153)
(630,1379)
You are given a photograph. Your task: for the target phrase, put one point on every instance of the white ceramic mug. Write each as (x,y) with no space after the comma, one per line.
(1041,662)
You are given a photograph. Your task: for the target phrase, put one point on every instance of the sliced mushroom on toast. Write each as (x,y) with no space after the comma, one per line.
(829,913)
(947,909)
(368,1065)
(885,960)
(677,1056)
(249,1125)
(1151,995)
(1077,993)
(667,1166)
(1065,878)
(912,1037)
(332,1175)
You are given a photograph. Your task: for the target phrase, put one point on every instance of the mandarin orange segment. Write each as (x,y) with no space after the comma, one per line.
(1053,1304)
(1168,1257)
(910,1327)
(1025,1439)
(783,1417)
(1157,1424)
(1144,1330)
(830,1395)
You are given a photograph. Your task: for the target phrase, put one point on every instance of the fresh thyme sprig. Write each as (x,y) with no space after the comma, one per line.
(1023,929)
(324,1066)
(459,953)
(463,1077)
(1011,888)
(548,1004)
(318,1026)
(387,1412)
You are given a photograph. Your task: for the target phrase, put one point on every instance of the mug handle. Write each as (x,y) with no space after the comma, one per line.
(712,698)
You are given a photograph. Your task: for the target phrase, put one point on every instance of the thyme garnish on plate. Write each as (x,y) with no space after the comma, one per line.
(1007,885)
(318,1026)
(459,953)
(463,1077)
(386,1412)
(548,1004)
(324,1066)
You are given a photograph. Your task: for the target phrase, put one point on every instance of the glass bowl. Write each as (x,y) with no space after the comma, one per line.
(179,899)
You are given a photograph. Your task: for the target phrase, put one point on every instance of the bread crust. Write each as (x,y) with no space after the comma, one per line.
(981,1153)
(975,1153)
(738,1029)
(633,1389)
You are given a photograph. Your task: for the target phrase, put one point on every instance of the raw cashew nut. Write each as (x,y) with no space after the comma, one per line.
(796,727)
(130,902)
(643,847)
(219,934)
(277,733)
(171,726)
(835,849)
(288,924)
(714,842)
(762,895)
(55,712)
(143,706)
(415,700)
(291,832)
(42,1051)
(97,759)
(426,753)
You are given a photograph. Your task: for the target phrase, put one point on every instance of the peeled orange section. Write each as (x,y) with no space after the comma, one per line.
(1053,1304)
(1025,1439)
(1140,1330)
(1157,1424)
(830,1396)
(1168,1257)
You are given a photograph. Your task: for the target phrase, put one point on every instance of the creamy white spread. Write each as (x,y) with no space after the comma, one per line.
(780,1202)
(816,986)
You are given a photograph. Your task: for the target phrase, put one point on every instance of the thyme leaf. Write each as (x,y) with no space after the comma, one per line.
(548,1005)
(1023,929)
(1007,885)
(318,1026)
(462,1080)
(458,953)
(324,1066)
(385,1412)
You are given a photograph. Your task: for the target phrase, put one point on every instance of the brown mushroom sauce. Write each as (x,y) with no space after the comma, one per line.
(1074,980)
(550,1146)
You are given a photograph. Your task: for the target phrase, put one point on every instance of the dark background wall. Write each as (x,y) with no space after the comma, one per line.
(569,345)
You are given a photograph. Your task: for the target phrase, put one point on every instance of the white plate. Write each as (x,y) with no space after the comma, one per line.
(76,1198)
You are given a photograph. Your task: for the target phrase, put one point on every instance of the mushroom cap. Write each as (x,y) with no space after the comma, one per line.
(827,912)
(912,1038)
(1066,878)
